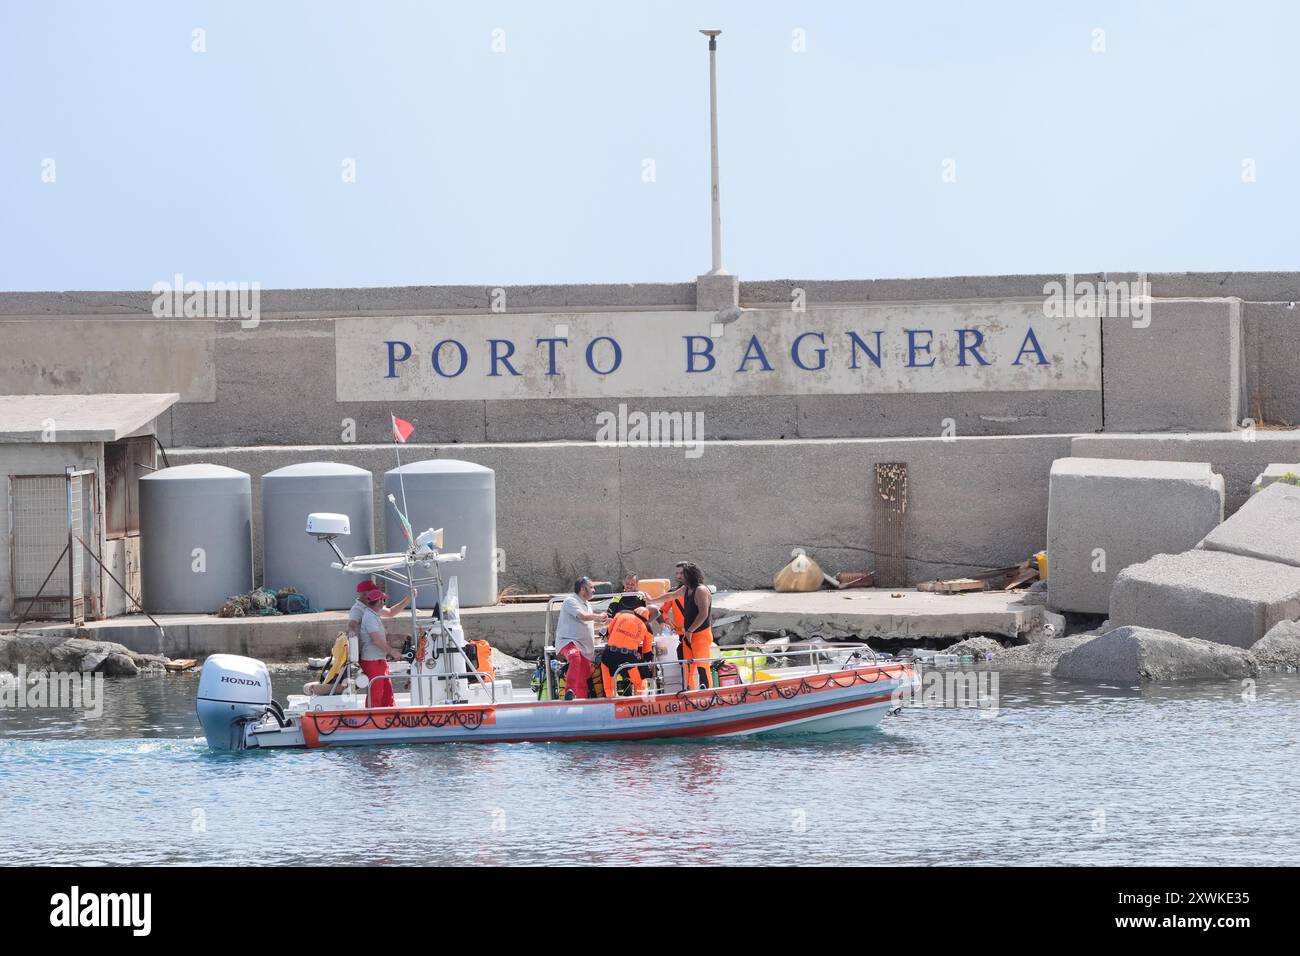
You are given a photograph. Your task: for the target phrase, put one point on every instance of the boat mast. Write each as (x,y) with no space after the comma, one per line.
(410,537)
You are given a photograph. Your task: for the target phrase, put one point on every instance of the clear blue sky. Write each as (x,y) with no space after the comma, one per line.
(526,166)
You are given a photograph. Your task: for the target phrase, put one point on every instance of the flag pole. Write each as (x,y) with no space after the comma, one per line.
(410,539)
(401,479)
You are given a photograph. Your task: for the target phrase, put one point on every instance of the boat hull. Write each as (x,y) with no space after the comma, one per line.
(805,703)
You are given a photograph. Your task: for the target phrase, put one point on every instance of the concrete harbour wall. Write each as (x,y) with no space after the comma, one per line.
(1201,365)
(779,471)
(568,508)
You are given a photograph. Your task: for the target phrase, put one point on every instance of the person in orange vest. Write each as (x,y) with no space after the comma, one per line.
(674,616)
(694,603)
(671,604)
(631,638)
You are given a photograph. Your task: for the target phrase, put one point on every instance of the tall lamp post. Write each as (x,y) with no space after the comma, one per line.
(713,148)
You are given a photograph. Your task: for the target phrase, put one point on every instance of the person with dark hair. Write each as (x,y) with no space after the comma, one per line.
(695,602)
(670,604)
(575,638)
(674,618)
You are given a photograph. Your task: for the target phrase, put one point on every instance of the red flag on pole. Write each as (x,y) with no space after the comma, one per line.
(401,428)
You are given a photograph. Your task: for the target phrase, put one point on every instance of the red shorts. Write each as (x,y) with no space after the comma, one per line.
(381,691)
(578,677)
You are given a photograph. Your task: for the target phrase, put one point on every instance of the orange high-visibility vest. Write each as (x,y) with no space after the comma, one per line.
(674,613)
(629,632)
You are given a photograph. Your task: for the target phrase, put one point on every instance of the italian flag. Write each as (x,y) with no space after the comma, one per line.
(401,428)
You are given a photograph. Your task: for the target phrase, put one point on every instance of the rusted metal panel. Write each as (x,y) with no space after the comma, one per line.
(889,523)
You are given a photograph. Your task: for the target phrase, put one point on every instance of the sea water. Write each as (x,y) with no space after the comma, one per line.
(1059,773)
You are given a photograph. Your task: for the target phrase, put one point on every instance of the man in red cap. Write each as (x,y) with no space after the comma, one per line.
(359,606)
(375,650)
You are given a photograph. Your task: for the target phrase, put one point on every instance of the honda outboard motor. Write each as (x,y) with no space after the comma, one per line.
(233,691)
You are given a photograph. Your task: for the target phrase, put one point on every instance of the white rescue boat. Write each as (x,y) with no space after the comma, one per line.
(448,698)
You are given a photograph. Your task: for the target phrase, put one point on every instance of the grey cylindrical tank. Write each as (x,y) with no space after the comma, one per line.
(290,557)
(196,544)
(461,498)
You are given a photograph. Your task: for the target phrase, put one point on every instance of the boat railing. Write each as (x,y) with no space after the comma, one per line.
(482,676)
(757,656)
(555,600)
(811,650)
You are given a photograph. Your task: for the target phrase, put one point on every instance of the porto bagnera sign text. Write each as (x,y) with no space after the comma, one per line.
(947,347)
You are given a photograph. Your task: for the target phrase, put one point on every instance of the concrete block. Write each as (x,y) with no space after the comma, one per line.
(452,298)
(1239,456)
(1179,368)
(780,292)
(1213,595)
(123,355)
(417,300)
(1271,341)
(885,613)
(1265,527)
(1273,473)
(1105,514)
(714,293)
(921,414)
(1262,286)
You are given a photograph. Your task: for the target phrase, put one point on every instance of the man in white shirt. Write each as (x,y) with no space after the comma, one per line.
(359,607)
(575,638)
(375,651)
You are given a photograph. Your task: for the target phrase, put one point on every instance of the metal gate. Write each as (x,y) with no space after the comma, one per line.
(50,576)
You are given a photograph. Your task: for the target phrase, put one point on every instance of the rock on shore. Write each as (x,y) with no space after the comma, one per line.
(1039,656)
(54,652)
(979,647)
(503,663)
(1280,647)
(1136,655)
